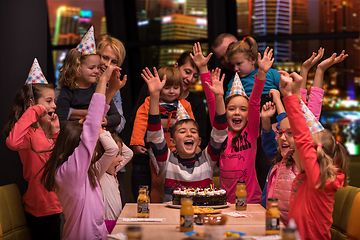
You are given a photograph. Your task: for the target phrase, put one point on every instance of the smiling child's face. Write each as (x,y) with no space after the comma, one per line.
(186,139)
(237,113)
(285,143)
(47,100)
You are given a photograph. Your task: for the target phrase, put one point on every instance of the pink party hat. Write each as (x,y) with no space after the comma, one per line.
(181,113)
(35,74)
(237,87)
(313,123)
(87,44)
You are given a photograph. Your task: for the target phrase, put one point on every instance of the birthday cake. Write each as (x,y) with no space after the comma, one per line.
(201,196)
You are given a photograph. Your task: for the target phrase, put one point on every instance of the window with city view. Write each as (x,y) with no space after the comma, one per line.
(295,29)
(329,21)
(69,21)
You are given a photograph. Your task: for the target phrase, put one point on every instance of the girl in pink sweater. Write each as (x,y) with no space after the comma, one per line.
(71,171)
(237,161)
(31,130)
(322,163)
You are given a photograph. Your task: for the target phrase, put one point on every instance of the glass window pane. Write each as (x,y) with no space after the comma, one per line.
(261,17)
(69,20)
(162,20)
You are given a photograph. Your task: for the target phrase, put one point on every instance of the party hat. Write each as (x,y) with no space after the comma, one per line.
(181,113)
(87,44)
(35,74)
(313,123)
(237,87)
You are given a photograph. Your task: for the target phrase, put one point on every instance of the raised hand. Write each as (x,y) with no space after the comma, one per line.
(266,62)
(310,62)
(268,110)
(297,80)
(216,83)
(199,59)
(153,81)
(285,84)
(275,94)
(333,59)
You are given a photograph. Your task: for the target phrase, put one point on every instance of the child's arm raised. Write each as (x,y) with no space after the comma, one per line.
(316,91)
(199,59)
(308,64)
(201,62)
(265,63)
(275,94)
(296,81)
(267,111)
(217,88)
(155,85)
(324,65)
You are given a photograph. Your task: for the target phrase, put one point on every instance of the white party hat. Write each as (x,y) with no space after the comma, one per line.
(87,44)
(181,113)
(35,74)
(313,123)
(237,87)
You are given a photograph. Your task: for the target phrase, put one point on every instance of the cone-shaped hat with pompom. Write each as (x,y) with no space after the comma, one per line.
(87,44)
(237,87)
(181,113)
(35,74)
(313,123)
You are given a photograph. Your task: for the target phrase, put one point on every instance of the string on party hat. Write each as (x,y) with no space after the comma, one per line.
(36,75)
(87,43)
(181,113)
(237,87)
(313,123)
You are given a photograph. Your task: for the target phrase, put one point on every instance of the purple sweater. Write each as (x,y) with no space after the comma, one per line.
(82,204)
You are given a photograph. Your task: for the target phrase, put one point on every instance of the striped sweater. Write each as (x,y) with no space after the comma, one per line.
(193,172)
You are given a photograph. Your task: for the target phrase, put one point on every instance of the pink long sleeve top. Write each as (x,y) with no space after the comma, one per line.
(238,163)
(310,207)
(82,204)
(26,140)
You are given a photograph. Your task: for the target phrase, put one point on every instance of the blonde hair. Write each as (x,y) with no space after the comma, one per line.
(247,46)
(332,157)
(173,77)
(71,69)
(106,40)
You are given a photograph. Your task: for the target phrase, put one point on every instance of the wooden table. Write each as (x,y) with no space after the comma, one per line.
(169,228)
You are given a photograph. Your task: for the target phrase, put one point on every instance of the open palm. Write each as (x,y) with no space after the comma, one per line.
(153,81)
(266,62)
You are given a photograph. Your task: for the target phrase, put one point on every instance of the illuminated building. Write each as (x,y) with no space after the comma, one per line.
(180,27)
(71,23)
(338,17)
(244,13)
(273,17)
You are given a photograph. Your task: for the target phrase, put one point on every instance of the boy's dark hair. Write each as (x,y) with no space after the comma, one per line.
(181,122)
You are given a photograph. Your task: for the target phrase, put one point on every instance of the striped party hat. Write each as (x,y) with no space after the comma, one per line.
(181,113)
(237,87)
(87,44)
(35,74)
(313,123)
